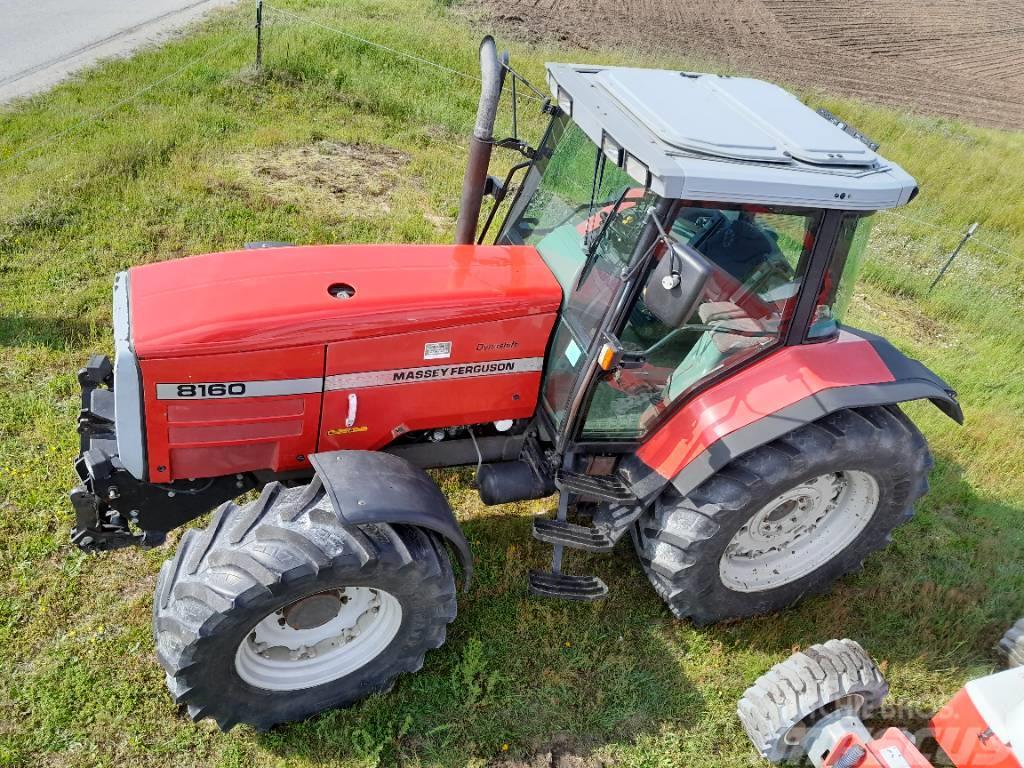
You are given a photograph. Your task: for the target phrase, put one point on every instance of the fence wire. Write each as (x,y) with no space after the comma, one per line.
(950,231)
(531,93)
(373,44)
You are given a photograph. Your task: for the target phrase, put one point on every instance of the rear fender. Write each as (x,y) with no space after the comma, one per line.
(912,380)
(793,387)
(371,487)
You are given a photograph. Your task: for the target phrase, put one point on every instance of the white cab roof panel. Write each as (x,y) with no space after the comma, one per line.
(734,117)
(730,139)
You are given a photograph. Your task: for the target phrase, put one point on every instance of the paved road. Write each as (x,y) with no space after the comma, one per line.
(43,41)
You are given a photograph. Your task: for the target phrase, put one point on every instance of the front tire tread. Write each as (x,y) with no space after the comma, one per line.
(268,553)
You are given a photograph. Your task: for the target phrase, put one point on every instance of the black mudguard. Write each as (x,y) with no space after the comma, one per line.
(912,380)
(372,487)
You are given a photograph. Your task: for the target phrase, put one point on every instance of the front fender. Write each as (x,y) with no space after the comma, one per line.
(780,393)
(372,487)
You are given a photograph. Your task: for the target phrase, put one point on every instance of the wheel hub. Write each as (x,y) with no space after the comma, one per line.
(793,514)
(318,638)
(314,611)
(799,531)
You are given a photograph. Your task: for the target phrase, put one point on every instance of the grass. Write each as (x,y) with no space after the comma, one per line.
(218,155)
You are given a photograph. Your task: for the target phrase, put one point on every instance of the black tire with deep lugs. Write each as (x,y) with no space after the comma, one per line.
(681,540)
(253,560)
(808,683)
(1012,645)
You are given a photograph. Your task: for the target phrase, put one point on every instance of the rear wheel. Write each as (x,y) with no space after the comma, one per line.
(278,610)
(786,519)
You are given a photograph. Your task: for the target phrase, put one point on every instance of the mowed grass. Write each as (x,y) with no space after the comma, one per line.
(520,681)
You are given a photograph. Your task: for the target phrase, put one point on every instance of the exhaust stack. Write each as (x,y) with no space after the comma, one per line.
(493,75)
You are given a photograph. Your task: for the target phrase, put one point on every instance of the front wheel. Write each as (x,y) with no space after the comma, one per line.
(786,519)
(278,610)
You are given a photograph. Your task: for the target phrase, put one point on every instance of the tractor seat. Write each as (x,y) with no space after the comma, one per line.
(728,313)
(711,349)
(740,247)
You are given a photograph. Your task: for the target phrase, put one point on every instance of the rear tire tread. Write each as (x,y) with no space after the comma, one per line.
(678,538)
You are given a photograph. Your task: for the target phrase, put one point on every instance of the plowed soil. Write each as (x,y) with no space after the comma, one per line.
(942,57)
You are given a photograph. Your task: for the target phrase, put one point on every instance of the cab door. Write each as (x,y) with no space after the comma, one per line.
(759,256)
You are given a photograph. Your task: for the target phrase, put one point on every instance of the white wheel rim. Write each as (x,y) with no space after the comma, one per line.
(799,531)
(277,657)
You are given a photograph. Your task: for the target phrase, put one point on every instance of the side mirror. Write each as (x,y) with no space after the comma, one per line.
(676,285)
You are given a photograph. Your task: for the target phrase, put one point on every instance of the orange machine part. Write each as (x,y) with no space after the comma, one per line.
(966,738)
(891,750)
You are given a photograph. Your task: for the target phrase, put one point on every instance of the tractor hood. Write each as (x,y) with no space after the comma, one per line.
(270,298)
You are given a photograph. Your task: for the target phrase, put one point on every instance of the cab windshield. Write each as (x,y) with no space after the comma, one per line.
(759,257)
(584,216)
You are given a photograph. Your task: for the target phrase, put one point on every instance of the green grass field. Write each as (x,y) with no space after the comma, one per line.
(338,142)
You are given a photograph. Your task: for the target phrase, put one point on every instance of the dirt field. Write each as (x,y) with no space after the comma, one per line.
(958,59)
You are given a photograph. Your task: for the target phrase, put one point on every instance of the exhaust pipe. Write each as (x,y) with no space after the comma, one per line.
(493,75)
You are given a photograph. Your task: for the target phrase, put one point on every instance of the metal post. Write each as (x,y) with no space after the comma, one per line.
(259,34)
(967,236)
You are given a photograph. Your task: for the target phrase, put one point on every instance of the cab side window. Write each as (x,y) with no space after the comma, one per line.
(759,257)
(837,288)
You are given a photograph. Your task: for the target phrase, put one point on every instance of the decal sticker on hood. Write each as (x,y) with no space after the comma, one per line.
(218,390)
(433,373)
(437,350)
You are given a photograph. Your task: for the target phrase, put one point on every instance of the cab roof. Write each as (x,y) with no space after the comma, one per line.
(726,139)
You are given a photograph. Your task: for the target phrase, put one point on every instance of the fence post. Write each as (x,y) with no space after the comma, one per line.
(259,34)
(967,236)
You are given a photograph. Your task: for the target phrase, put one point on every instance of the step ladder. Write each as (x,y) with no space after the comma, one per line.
(619,509)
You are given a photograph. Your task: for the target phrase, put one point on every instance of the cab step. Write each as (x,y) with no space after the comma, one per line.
(565,587)
(571,535)
(605,487)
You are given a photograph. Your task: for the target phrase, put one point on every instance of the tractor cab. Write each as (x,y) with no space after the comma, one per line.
(694,223)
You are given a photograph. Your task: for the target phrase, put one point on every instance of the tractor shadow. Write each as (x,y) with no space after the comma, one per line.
(521,681)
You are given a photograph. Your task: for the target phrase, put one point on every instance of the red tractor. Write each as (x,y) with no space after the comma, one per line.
(811,706)
(656,335)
